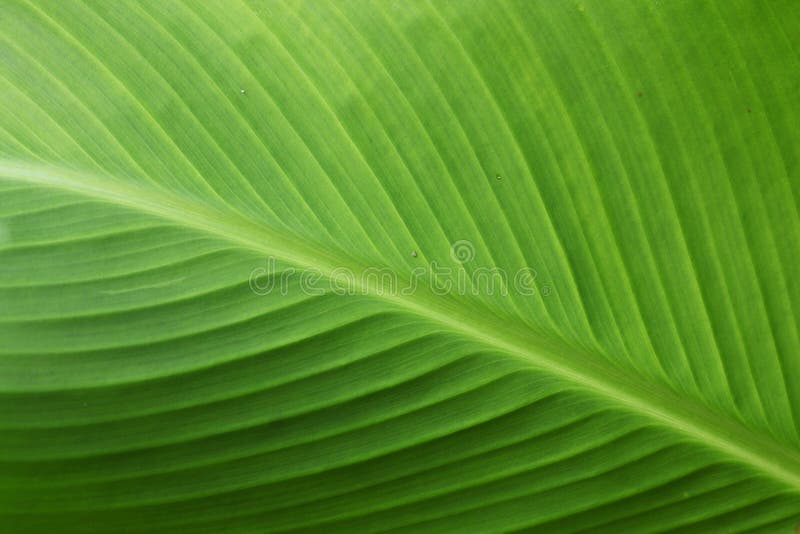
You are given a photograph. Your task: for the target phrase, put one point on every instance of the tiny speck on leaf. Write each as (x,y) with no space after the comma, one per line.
(749,110)
(498,177)
(242,91)
(413,253)
(639,94)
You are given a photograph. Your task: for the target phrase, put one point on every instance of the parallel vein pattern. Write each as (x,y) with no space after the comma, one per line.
(639,159)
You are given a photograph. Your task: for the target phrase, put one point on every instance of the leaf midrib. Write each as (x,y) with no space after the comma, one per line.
(657,402)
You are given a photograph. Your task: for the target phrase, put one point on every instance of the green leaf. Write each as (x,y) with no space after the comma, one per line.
(447,266)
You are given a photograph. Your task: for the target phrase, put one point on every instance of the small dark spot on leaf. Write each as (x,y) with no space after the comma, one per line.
(749,110)
(639,94)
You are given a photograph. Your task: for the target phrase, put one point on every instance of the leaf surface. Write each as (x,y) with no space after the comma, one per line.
(448,266)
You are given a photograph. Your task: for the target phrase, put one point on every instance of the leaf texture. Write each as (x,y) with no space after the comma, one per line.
(219,223)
